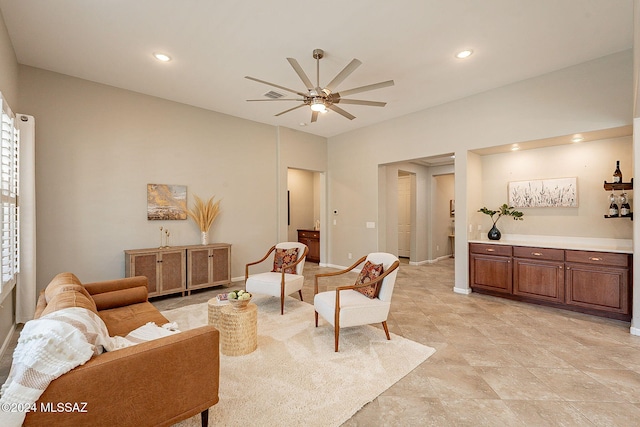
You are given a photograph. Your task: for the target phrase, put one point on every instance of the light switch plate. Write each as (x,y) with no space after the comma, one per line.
(371,224)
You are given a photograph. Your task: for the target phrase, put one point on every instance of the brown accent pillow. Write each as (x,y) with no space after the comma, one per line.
(285,257)
(369,272)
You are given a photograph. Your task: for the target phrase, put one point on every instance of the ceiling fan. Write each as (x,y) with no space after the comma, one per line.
(321,99)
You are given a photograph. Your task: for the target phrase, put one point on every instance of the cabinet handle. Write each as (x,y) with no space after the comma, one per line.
(536,254)
(592,258)
(491,250)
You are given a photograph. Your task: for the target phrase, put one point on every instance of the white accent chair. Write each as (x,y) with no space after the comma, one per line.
(344,307)
(278,284)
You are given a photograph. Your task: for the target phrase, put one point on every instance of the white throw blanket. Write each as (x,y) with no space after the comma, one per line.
(51,346)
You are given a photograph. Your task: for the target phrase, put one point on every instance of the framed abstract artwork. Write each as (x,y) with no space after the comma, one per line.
(166,202)
(544,193)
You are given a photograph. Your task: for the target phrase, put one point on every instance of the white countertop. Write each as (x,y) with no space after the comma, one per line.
(562,242)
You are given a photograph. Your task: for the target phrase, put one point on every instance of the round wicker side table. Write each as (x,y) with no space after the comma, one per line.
(214,308)
(238,330)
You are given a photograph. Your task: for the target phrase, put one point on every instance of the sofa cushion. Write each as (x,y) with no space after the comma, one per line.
(69,296)
(122,320)
(119,298)
(369,272)
(62,282)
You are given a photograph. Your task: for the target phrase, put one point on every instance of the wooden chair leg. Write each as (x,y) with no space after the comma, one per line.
(316,319)
(204,418)
(300,292)
(281,305)
(337,334)
(386,330)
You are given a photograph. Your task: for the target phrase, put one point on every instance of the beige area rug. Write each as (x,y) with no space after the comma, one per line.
(295,378)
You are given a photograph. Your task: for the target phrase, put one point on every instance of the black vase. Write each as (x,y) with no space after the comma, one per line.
(494,233)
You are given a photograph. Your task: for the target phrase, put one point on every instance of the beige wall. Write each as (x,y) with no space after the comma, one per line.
(8,67)
(97,147)
(591,162)
(308,152)
(592,96)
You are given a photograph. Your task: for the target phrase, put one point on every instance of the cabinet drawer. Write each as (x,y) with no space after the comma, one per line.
(600,258)
(488,249)
(309,234)
(538,253)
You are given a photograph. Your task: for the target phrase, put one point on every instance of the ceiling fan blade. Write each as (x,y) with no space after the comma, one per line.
(340,111)
(275,99)
(350,68)
(314,116)
(290,109)
(366,88)
(275,85)
(360,102)
(300,73)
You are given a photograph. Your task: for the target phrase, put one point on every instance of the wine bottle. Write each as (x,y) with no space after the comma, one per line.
(613,207)
(625,208)
(617,175)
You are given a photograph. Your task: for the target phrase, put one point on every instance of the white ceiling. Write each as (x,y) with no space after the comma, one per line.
(215,43)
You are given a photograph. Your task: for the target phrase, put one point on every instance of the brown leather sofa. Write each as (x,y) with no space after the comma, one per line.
(154,383)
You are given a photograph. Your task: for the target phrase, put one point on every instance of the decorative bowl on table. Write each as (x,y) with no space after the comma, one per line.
(239,299)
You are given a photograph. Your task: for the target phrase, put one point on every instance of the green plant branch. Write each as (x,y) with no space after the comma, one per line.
(503,210)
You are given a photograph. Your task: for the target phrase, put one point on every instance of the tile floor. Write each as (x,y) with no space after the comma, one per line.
(498,362)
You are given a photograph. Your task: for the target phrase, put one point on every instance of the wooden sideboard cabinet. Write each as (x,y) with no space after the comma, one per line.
(539,273)
(491,267)
(164,269)
(180,268)
(597,283)
(311,238)
(208,265)
(599,280)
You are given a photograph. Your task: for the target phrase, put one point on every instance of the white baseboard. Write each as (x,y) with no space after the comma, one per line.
(463,291)
(7,340)
(634,331)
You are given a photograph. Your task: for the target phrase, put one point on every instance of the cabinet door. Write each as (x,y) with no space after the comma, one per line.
(314,250)
(199,269)
(173,271)
(598,287)
(492,273)
(146,265)
(221,265)
(537,279)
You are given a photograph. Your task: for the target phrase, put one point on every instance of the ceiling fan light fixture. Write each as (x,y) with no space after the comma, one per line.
(317,104)
(162,57)
(464,54)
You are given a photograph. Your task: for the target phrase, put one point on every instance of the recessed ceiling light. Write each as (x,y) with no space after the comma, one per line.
(515,147)
(162,57)
(302,124)
(464,54)
(577,138)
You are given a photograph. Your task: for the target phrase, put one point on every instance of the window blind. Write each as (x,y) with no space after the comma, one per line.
(9,210)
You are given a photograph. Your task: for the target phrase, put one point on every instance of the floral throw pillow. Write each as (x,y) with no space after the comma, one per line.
(285,257)
(369,273)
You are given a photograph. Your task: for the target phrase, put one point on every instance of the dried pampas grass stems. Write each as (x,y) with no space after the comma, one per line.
(204,213)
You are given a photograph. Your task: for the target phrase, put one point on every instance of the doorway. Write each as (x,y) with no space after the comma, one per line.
(404,214)
(304,209)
